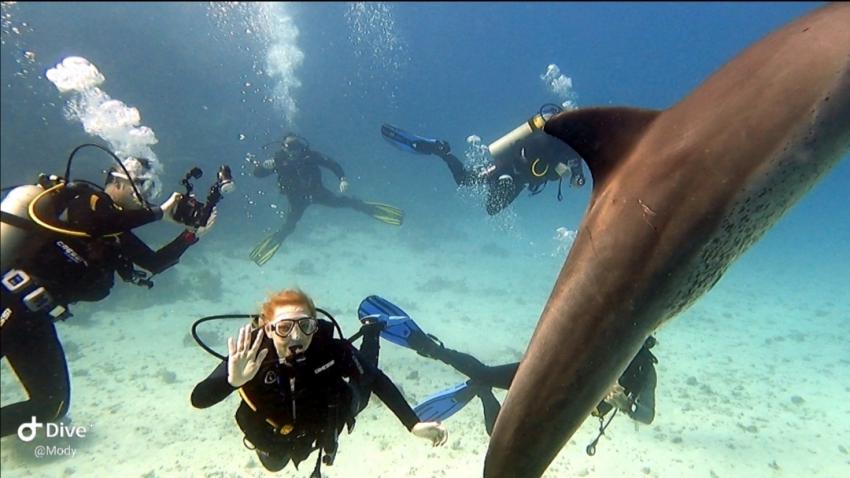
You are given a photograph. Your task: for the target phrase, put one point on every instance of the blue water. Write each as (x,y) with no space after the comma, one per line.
(197,74)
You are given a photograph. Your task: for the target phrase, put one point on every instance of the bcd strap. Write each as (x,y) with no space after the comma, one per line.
(17,221)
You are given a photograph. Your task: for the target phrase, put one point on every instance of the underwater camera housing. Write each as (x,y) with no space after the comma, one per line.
(194,213)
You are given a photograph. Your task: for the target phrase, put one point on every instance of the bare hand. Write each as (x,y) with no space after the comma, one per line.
(618,398)
(243,359)
(343,185)
(433,431)
(169,206)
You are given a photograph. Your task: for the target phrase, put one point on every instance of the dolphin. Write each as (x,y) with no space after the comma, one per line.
(678,195)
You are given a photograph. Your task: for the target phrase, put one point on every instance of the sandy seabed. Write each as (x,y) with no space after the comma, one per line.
(753,379)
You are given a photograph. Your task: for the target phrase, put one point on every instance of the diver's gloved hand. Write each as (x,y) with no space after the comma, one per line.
(243,358)
(203,230)
(169,206)
(434,431)
(268,164)
(343,185)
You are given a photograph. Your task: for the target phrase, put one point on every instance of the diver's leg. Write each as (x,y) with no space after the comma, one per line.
(482,377)
(501,192)
(491,409)
(499,376)
(268,246)
(382,212)
(461,175)
(371,344)
(370,348)
(296,211)
(417,144)
(273,461)
(329,199)
(462,362)
(30,343)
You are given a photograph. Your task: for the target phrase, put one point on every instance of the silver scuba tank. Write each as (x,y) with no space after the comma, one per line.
(529,142)
(12,238)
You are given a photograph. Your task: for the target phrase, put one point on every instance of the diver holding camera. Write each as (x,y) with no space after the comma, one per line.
(62,242)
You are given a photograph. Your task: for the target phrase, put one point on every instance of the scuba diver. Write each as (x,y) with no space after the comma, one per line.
(525,157)
(299,385)
(62,242)
(300,180)
(634,392)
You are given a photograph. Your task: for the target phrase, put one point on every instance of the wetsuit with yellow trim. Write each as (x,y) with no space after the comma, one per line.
(289,410)
(73,260)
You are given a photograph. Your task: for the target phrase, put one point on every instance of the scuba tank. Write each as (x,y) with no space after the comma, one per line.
(34,207)
(510,145)
(528,146)
(13,232)
(30,213)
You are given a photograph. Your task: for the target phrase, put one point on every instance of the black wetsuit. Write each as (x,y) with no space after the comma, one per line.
(501,193)
(71,269)
(299,408)
(300,180)
(638,380)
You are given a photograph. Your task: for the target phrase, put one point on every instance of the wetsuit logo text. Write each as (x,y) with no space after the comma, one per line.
(70,253)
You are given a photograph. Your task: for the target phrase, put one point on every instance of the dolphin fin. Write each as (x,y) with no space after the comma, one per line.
(601,136)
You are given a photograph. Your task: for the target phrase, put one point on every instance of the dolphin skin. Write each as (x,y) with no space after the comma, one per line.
(678,196)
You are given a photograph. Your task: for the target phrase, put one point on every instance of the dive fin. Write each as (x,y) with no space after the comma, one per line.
(412,143)
(601,136)
(441,405)
(398,328)
(265,249)
(386,213)
(491,409)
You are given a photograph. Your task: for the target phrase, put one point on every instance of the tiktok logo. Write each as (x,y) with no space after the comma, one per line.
(27,431)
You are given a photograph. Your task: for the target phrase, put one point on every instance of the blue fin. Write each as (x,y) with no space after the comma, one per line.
(399,326)
(446,403)
(411,143)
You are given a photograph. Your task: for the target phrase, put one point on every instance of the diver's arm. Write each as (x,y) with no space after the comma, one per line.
(97,214)
(387,391)
(499,376)
(212,389)
(329,164)
(158,261)
(358,368)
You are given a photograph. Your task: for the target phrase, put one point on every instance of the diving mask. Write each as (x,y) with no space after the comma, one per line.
(295,144)
(146,186)
(284,327)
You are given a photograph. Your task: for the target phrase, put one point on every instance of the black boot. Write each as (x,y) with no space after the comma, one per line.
(425,345)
